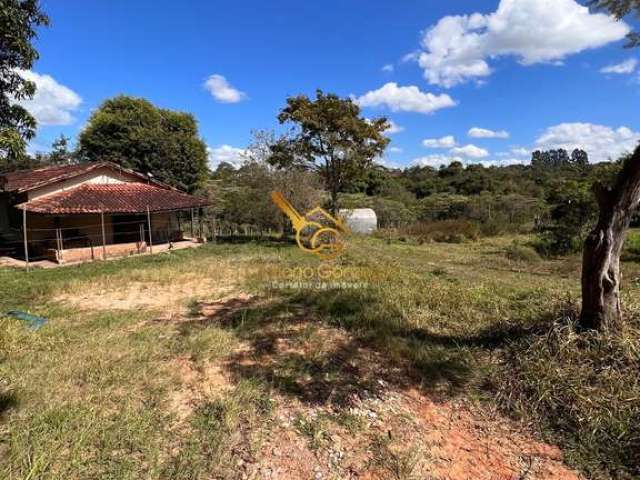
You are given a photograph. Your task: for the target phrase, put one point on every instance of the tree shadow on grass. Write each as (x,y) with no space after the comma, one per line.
(8,400)
(332,376)
(292,349)
(272,242)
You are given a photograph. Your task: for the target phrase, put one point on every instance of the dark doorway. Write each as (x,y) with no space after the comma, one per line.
(126,228)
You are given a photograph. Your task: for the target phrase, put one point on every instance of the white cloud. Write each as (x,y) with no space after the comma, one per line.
(435,160)
(444,142)
(521,151)
(503,162)
(602,143)
(404,99)
(35,146)
(394,150)
(411,57)
(458,48)
(438,160)
(469,151)
(476,132)
(222,90)
(388,68)
(624,68)
(227,154)
(385,162)
(52,103)
(393,127)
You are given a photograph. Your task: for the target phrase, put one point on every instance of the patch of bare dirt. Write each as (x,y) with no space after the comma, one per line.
(342,411)
(143,295)
(197,384)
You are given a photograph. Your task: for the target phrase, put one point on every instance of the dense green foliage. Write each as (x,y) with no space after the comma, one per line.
(551,196)
(243,197)
(18,22)
(136,134)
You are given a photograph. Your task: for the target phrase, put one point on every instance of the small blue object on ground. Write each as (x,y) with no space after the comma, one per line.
(33,321)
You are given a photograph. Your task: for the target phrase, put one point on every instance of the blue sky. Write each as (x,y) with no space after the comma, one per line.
(530,71)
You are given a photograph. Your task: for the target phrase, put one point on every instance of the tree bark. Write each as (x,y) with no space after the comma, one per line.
(334,201)
(601,258)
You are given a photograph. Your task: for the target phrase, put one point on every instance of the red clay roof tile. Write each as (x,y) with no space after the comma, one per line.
(25,180)
(113,198)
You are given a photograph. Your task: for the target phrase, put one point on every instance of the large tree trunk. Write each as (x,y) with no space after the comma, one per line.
(601,258)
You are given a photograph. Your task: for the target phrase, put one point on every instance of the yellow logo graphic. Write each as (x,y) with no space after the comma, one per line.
(326,241)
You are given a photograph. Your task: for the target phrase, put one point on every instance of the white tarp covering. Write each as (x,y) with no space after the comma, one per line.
(360,220)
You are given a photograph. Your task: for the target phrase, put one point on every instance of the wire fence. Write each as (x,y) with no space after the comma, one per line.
(39,242)
(49,243)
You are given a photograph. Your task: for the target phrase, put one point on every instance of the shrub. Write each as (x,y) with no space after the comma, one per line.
(521,253)
(632,245)
(449,231)
(573,210)
(392,213)
(558,240)
(441,206)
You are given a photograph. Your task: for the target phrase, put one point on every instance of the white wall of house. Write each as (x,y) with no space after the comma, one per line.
(99,176)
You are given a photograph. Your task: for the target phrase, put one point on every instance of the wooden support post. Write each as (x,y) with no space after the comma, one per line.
(200,225)
(60,245)
(213,230)
(149,224)
(192,229)
(26,242)
(141,237)
(104,237)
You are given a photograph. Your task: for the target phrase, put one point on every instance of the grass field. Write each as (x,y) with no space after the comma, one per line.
(408,362)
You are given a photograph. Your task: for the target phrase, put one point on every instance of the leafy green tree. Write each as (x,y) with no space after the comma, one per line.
(579,157)
(559,158)
(572,210)
(620,9)
(329,137)
(243,196)
(136,134)
(454,168)
(18,22)
(60,153)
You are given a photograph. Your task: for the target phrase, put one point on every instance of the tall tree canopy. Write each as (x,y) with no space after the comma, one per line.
(329,137)
(136,134)
(60,154)
(620,9)
(18,22)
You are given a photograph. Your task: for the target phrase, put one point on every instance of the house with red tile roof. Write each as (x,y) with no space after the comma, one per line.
(88,211)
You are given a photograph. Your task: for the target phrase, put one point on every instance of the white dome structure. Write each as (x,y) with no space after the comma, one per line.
(360,220)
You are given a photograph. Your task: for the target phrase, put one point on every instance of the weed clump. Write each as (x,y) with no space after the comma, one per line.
(446,231)
(521,253)
(584,388)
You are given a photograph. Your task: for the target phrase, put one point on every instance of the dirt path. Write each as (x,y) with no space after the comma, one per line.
(341,410)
